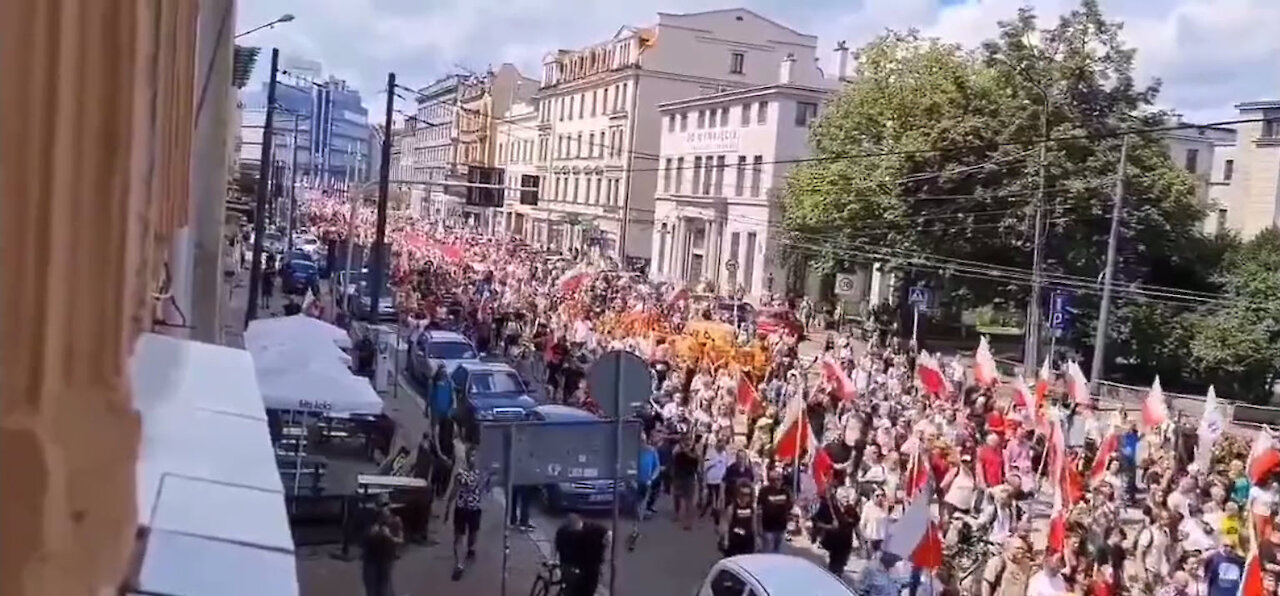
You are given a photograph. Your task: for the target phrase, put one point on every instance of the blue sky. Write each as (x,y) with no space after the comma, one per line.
(1210,54)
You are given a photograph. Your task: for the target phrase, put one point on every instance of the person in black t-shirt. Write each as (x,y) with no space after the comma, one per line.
(836,521)
(378,553)
(580,546)
(684,481)
(738,536)
(775,502)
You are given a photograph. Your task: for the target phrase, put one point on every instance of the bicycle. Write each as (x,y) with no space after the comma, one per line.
(548,578)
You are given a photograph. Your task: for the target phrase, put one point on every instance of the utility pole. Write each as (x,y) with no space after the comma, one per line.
(260,201)
(1104,310)
(293,180)
(1031,344)
(380,254)
(351,236)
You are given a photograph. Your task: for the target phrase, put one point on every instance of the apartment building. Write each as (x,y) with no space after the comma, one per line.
(435,147)
(722,158)
(517,142)
(482,104)
(1199,150)
(1244,189)
(599,126)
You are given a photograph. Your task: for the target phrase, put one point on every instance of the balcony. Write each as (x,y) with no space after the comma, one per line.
(617,114)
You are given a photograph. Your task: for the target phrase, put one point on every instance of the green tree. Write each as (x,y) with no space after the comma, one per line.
(1236,344)
(932,154)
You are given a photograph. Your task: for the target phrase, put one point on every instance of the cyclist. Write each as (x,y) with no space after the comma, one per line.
(580,545)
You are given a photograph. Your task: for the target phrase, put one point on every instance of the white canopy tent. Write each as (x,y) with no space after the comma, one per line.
(209,490)
(329,393)
(306,356)
(292,330)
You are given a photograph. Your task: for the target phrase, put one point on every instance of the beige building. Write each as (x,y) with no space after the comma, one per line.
(517,156)
(482,101)
(600,130)
(1200,150)
(1245,182)
(724,159)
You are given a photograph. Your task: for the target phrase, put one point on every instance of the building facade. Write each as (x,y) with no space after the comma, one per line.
(435,148)
(599,126)
(724,157)
(483,102)
(332,125)
(1245,183)
(517,142)
(1200,150)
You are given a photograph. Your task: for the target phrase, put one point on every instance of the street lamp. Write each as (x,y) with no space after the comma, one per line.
(284,18)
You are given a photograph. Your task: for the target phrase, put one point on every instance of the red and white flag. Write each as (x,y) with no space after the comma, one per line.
(1057,454)
(1025,401)
(915,536)
(1263,457)
(748,399)
(984,365)
(572,280)
(930,374)
(1155,410)
(1043,380)
(1251,584)
(1110,444)
(796,439)
(838,380)
(1212,424)
(1078,385)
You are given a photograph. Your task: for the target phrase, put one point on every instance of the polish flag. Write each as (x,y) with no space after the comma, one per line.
(1057,454)
(1109,445)
(748,398)
(837,379)
(1251,584)
(1043,380)
(930,374)
(984,365)
(1078,385)
(796,438)
(572,280)
(1155,411)
(914,536)
(1263,457)
(1026,401)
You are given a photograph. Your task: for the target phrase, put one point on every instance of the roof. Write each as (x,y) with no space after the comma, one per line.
(786,574)
(447,336)
(1266,104)
(559,413)
(735,10)
(737,94)
(483,366)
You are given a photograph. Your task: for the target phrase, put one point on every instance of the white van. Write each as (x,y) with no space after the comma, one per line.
(771,575)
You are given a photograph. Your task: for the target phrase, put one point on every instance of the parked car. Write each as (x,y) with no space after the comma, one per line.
(306,243)
(490,392)
(778,320)
(579,495)
(771,575)
(433,349)
(386,303)
(299,275)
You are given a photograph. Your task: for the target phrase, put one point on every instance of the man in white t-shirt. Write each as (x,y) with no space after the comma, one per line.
(1048,581)
(714,464)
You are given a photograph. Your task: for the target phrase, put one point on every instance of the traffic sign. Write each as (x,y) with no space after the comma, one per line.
(620,381)
(549,452)
(920,296)
(1059,311)
(845,284)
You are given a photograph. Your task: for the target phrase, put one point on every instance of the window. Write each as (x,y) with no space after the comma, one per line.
(737,61)
(582,105)
(591,144)
(1228,170)
(740,182)
(662,248)
(684,122)
(746,114)
(679,174)
(572,99)
(1270,127)
(697,174)
(595,96)
(577,143)
(762,112)
(712,118)
(1193,156)
(574,196)
(749,264)
(724,117)
(623,95)
(718,187)
(757,164)
(805,112)
(671,123)
(707,175)
(666,175)
(702,119)
(726,583)
(599,183)
(560,106)
(734,241)
(604,100)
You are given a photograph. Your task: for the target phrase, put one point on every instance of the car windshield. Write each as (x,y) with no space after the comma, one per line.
(301,266)
(450,350)
(499,382)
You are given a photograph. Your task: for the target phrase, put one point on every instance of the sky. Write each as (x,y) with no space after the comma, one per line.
(1210,54)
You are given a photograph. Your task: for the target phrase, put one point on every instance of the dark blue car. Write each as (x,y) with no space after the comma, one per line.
(299,275)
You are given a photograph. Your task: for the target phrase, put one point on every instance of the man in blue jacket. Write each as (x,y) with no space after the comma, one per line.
(647,469)
(1129,459)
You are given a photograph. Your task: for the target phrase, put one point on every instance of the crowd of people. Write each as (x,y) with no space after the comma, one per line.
(1027,491)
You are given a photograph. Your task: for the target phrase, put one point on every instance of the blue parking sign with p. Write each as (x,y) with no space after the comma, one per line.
(1059,311)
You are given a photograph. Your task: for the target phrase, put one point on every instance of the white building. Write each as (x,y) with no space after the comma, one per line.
(724,158)
(600,128)
(1245,184)
(1201,151)
(435,148)
(517,141)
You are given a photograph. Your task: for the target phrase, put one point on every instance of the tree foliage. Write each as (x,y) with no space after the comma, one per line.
(930,158)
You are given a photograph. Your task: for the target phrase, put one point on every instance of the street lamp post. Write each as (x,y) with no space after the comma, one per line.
(260,202)
(284,18)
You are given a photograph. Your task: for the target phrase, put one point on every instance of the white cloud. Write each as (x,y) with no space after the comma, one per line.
(1209,53)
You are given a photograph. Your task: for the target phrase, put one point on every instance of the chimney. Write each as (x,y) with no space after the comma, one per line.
(842,60)
(786,70)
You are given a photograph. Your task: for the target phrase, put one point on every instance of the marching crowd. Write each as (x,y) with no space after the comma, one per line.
(934,477)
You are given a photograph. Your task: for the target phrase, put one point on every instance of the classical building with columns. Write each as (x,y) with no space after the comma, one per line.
(724,157)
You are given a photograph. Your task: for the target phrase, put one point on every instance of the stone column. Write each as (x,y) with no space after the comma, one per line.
(95,123)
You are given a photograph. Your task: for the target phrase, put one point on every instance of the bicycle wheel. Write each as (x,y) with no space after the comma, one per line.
(540,587)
